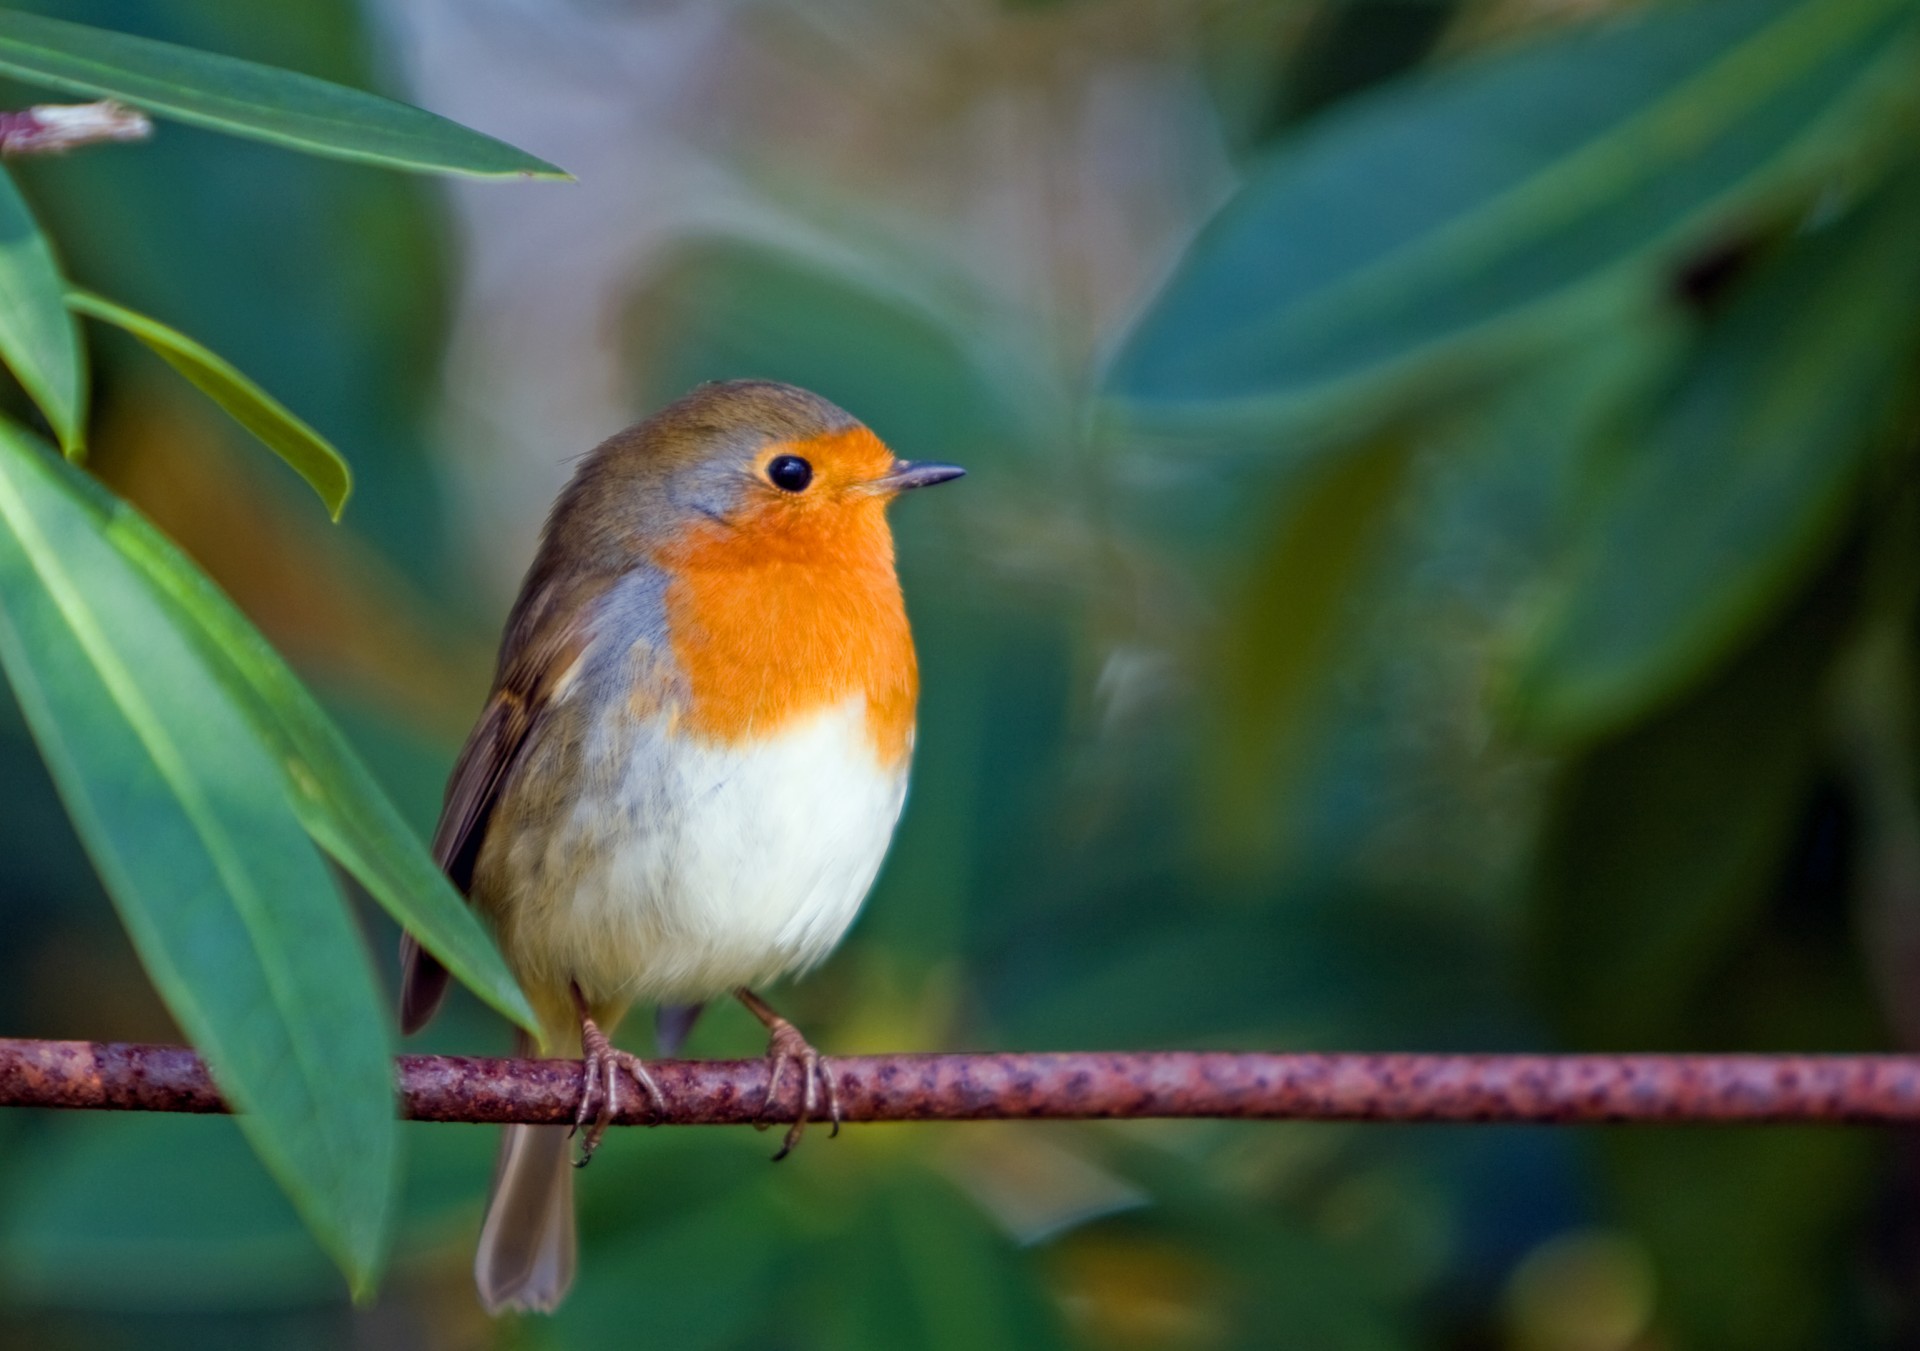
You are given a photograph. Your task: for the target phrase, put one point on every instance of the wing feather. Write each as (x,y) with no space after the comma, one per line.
(507,725)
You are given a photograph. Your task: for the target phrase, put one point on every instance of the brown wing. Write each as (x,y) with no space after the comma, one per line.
(506,726)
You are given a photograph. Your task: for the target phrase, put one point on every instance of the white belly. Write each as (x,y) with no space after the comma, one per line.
(726,867)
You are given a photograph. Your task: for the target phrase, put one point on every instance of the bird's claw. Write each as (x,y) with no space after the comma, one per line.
(600,1066)
(785,1047)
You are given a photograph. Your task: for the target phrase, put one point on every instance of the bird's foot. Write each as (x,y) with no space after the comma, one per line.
(785,1046)
(601,1063)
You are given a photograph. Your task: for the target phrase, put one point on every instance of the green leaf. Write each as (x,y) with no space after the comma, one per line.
(1738,488)
(1743,1226)
(928,1269)
(144,1211)
(183,811)
(1685,899)
(38,338)
(1659,845)
(246,99)
(1269,1266)
(333,793)
(706,1279)
(310,454)
(1414,237)
(119,1210)
(1284,634)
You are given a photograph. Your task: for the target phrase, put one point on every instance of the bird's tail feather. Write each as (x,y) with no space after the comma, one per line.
(527,1254)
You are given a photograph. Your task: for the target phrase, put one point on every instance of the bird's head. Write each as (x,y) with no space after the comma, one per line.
(743,473)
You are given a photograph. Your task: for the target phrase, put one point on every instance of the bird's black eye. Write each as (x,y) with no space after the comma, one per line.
(789,473)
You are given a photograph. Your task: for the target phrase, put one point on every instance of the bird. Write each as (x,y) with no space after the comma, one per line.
(690,765)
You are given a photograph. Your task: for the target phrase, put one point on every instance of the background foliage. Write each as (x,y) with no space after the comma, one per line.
(1439,572)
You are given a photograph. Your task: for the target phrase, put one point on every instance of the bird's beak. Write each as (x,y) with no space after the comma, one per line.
(907,474)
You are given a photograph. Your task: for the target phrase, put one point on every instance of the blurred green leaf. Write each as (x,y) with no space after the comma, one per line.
(1269,1268)
(1409,236)
(1750,1229)
(1731,497)
(705,1279)
(120,1211)
(38,339)
(1281,639)
(1746,1228)
(1339,969)
(932,1272)
(246,99)
(1350,47)
(1691,894)
(150,1211)
(232,911)
(310,454)
(336,798)
(1662,843)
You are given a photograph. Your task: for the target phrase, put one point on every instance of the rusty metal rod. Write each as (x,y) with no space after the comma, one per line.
(1512,1088)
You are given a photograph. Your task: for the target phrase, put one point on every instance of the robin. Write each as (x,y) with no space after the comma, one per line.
(691,763)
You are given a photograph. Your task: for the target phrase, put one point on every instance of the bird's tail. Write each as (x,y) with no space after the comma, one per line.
(527,1254)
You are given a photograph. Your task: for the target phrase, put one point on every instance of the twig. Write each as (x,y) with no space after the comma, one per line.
(55,128)
(1511,1088)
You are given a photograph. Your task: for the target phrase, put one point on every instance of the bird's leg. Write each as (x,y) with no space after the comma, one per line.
(600,1065)
(784,1046)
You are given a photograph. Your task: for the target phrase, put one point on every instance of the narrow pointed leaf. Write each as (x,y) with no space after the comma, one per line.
(1415,236)
(311,455)
(38,338)
(335,796)
(184,814)
(244,98)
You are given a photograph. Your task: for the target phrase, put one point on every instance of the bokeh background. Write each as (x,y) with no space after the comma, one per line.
(1473,608)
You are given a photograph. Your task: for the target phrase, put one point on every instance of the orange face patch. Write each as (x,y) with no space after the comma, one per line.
(843,462)
(792,605)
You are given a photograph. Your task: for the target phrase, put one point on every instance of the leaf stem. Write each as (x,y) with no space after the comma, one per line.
(55,128)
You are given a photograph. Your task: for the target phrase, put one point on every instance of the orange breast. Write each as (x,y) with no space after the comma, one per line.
(773,619)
